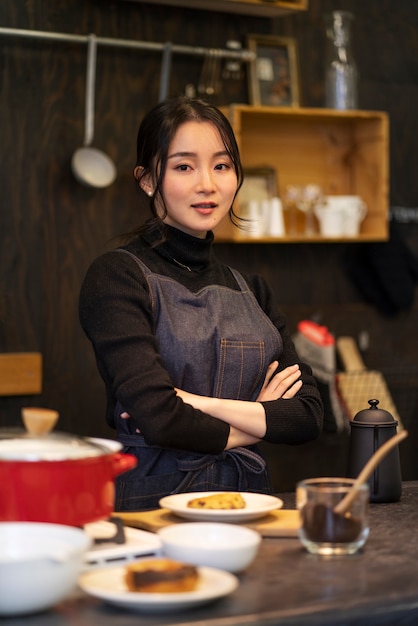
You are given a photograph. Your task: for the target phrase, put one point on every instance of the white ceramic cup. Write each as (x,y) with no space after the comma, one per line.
(275,218)
(331,220)
(255,226)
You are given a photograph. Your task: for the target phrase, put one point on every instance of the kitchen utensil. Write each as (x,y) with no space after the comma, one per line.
(58,478)
(224,546)
(39,565)
(204,74)
(357,384)
(91,166)
(209,80)
(371,429)
(233,69)
(165,72)
(373,462)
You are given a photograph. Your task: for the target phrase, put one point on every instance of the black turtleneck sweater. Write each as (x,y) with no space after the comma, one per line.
(116,315)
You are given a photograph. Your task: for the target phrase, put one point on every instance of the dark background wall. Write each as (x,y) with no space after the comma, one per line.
(51,227)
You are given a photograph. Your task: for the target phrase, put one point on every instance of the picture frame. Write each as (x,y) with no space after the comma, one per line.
(260,183)
(274,72)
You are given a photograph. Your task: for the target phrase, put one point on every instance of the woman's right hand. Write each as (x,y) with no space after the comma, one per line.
(284,384)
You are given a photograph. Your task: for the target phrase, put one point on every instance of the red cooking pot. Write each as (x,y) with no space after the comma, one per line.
(58,478)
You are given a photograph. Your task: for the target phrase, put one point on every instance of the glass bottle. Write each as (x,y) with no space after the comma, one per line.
(341,71)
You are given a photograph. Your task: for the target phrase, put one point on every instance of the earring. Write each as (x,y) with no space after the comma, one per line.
(150,193)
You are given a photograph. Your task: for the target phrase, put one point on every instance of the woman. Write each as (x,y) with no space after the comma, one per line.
(197,362)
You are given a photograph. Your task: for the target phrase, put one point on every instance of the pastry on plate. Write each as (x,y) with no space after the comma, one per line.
(161,576)
(223,501)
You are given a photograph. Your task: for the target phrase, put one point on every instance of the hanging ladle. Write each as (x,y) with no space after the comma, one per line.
(91,166)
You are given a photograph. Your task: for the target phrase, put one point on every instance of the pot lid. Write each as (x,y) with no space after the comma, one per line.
(374,416)
(19,445)
(36,442)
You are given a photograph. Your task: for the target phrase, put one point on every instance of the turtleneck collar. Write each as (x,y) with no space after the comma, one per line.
(183,249)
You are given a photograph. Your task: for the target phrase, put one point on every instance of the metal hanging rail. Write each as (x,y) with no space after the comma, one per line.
(243,55)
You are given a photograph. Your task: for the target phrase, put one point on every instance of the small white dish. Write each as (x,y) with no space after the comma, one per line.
(257,505)
(224,546)
(109,585)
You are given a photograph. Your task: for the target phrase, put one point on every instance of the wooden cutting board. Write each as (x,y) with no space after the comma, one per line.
(280,523)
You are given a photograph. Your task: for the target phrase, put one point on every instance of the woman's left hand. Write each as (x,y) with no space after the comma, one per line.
(284,384)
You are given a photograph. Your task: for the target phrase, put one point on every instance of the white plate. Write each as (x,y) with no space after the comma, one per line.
(257,505)
(109,585)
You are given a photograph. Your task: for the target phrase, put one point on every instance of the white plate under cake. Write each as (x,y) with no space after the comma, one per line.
(109,585)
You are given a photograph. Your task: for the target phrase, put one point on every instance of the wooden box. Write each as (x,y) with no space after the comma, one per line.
(272,8)
(345,152)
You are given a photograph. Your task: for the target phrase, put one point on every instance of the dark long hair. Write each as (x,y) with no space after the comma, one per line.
(155,135)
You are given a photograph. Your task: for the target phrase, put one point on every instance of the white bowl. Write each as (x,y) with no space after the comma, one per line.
(223,546)
(39,564)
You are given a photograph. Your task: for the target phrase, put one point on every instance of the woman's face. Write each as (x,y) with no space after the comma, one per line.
(199,184)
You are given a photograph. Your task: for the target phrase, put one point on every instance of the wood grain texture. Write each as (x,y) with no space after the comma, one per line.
(20,374)
(280,523)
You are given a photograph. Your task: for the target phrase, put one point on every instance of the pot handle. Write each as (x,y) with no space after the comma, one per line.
(123,462)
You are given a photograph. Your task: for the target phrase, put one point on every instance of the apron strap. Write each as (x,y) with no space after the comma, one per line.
(252,461)
(242,457)
(245,461)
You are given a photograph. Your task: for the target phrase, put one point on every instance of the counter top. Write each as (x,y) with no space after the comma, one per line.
(288,586)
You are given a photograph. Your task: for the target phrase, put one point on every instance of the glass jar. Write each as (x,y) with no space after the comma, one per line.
(341,70)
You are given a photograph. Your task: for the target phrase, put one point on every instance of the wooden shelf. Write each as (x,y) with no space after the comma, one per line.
(263,8)
(298,238)
(345,152)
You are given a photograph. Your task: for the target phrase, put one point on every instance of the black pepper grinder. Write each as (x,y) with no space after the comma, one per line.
(370,429)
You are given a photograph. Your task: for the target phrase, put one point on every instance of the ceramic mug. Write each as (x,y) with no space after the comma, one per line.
(354,212)
(331,220)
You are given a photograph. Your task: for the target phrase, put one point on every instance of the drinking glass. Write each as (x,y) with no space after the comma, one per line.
(325,531)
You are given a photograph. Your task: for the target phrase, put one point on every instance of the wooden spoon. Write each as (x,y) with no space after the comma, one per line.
(343,506)
(39,421)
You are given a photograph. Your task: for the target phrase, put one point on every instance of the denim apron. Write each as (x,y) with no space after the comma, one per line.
(217,342)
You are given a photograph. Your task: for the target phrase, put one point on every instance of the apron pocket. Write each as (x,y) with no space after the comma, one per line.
(240,369)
